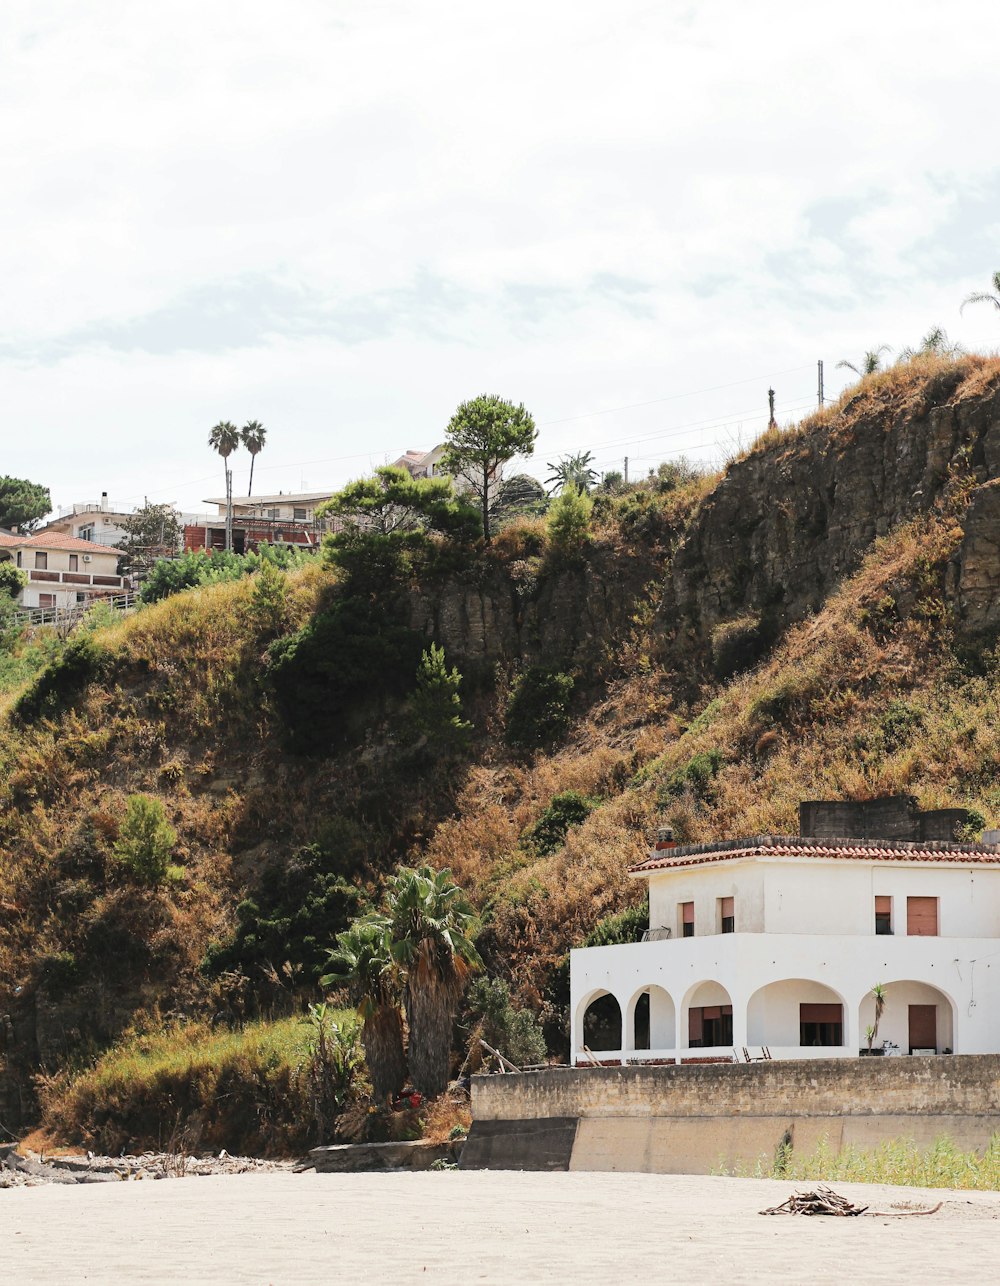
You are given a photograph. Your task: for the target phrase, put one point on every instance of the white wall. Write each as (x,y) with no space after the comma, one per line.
(742,881)
(773,1011)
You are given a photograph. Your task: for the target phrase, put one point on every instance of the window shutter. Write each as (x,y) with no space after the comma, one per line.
(821,1013)
(728,907)
(922,917)
(883,906)
(687,909)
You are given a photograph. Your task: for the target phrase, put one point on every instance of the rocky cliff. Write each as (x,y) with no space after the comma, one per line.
(794,516)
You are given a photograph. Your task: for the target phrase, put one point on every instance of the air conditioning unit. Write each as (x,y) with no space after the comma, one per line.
(87,557)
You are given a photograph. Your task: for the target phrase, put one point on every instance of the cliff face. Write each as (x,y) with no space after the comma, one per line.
(789,521)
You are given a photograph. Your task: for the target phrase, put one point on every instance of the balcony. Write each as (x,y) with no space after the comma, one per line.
(42,576)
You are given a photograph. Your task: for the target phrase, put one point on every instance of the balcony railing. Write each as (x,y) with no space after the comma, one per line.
(45,577)
(657,935)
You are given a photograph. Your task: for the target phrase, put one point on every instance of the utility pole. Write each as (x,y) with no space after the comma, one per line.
(819,387)
(626,471)
(772,422)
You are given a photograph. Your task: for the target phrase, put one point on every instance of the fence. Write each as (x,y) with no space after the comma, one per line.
(65,619)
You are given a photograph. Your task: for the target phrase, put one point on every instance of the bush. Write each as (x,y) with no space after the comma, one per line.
(63,680)
(12,579)
(516,1033)
(624,926)
(145,841)
(201,567)
(568,520)
(569,808)
(696,775)
(538,708)
(436,707)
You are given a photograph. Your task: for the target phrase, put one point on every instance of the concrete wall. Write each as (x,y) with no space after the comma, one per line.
(697,1119)
(704,886)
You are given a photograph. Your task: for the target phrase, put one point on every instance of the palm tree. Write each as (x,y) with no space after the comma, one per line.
(869,364)
(253,434)
(431,925)
(878,993)
(934,344)
(979,297)
(363,959)
(572,469)
(225,438)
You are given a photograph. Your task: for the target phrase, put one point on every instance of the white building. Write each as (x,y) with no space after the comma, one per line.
(777,942)
(97,523)
(62,571)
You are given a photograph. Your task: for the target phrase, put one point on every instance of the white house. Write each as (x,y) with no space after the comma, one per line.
(777,942)
(97,523)
(62,571)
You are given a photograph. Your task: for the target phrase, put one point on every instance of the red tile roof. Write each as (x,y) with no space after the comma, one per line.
(793,846)
(53,540)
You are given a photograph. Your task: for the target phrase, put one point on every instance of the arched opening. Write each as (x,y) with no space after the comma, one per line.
(797,1013)
(650,1020)
(916,1016)
(602,1022)
(709,1022)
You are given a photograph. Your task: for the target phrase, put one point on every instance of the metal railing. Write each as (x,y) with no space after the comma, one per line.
(65,619)
(657,935)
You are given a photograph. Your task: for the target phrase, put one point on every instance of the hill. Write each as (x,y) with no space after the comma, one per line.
(819,620)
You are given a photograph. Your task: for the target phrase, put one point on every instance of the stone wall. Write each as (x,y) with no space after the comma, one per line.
(696,1119)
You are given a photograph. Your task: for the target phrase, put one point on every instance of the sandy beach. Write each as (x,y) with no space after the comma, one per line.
(482,1227)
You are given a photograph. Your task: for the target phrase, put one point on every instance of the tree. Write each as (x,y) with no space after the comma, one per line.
(252,436)
(436,707)
(480,438)
(23,504)
(431,927)
(569,519)
(12,580)
(225,438)
(869,364)
(572,470)
(146,840)
(980,297)
(151,533)
(393,502)
(516,1033)
(934,344)
(363,960)
(878,994)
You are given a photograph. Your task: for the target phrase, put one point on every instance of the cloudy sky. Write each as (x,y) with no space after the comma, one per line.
(343,217)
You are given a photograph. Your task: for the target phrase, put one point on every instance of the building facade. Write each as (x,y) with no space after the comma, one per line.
(775,943)
(62,571)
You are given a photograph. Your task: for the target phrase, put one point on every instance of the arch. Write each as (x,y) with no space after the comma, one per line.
(707,1016)
(599,1021)
(907,1030)
(650,1021)
(797,1013)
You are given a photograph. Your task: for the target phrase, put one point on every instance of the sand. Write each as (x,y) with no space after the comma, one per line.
(482,1227)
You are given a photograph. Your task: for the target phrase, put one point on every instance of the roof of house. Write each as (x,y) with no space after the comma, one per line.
(53,540)
(880,850)
(288,497)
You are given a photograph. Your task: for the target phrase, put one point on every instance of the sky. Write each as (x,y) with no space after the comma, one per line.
(345,217)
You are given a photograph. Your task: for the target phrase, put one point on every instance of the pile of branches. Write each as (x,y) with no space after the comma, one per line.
(824,1201)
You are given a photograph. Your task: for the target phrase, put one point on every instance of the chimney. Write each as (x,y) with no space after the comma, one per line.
(665,838)
(104,502)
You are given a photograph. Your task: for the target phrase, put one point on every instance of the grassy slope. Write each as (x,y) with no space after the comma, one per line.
(865,697)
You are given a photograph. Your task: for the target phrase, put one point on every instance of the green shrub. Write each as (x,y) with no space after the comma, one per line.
(295,912)
(696,775)
(569,808)
(568,520)
(12,579)
(146,841)
(516,1033)
(209,567)
(624,926)
(436,707)
(538,708)
(81,661)
(898,724)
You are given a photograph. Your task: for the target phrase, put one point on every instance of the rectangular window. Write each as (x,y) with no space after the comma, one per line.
(19,558)
(81,598)
(883,915)
(821,1024)
(46,600)
(41,562)
(74,562)
(922,917)
(687,919)
(710,1026)
(299,515)
(727,915)
(274,514)
(86,533)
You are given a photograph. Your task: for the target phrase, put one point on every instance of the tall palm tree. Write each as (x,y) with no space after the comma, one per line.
(869,364)
(253,434)
(431,925)
(363,959)
(980,297)
(575,469)
(225,438)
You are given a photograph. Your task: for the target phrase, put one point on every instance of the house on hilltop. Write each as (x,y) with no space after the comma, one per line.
(776,941)
(285,518)
(62,571)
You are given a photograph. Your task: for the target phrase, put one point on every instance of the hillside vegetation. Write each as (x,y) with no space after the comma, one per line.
(603,701)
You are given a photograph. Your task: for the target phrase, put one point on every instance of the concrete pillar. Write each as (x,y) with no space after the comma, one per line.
(852,1025)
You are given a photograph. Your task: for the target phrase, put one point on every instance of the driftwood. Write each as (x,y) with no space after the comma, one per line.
(824,1201)
(505,1064)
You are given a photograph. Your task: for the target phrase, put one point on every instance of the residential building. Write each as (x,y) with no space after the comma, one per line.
(286,518)
(62,571)
(774,943)
(98,523)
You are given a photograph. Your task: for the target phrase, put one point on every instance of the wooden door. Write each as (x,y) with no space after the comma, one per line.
(923,1027)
